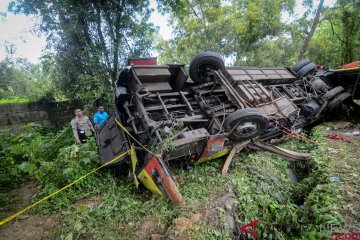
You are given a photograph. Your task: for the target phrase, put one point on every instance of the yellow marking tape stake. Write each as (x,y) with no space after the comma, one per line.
(8,219)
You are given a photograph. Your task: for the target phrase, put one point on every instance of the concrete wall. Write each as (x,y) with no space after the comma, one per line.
(14,115)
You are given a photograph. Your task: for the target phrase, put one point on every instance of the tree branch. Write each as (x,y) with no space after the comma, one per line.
(333,31)
(193,10)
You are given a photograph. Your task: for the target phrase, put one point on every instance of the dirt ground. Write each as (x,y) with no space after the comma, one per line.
(32,227)
(25,227)
(21,196)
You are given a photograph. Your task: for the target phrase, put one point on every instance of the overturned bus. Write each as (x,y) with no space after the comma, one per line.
(167,117)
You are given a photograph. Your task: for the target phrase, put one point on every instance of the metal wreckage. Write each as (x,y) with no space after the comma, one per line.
(221,110)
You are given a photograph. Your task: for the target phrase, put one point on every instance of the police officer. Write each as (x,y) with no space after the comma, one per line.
(81,126)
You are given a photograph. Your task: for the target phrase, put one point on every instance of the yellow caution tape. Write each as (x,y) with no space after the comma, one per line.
(133,159)
(128,133)
(8,219)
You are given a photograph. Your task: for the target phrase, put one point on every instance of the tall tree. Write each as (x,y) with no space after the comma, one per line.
(312,30)
(349,11)
(234,28)
(337,39)
(92,38)
(22,79)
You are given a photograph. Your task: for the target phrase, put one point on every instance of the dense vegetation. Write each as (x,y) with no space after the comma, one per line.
(47,157)
(106,204)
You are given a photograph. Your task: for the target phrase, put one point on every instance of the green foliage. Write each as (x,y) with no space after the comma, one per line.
(261,33)
(20,79)
(92,40)
(240,30)
(236,29)
(346,14)
(52,160)
(166,144)
(27,153)
(337,35)
(13,100)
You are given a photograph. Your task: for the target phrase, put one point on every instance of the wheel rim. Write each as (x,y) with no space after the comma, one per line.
(203,71)
(246,129)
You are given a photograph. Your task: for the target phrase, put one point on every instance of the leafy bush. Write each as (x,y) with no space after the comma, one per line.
(13,100)
(14,151)
(51,158)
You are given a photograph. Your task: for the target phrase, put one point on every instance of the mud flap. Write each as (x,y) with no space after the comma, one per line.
(156,177)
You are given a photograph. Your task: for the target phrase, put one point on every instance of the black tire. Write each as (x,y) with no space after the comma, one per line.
(307,69)
(338,100)
(300,64)
(124,77)
(253,122)
(200,62)
(331,94)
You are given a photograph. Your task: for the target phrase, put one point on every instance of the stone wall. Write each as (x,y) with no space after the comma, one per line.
(14,115)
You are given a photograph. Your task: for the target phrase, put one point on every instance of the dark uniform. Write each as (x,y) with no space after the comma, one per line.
(82,128)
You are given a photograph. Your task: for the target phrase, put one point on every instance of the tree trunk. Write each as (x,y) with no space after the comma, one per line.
(116,51)
(116,41)
(102,40)
(311,33)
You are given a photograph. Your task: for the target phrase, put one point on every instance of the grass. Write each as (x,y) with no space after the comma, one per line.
(108,205)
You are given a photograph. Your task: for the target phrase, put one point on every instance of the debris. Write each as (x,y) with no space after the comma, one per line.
(337,137)
(90,202)
(181,180)
(147,227)
(156,236)
(183,224)
(238,147)
(292,135)
(342,125)
(335,179)
(196,217)
(332,150)
(355,133)
(255,144)
(287,154)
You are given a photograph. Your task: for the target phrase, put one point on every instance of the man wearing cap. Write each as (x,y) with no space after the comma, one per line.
(81,126)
